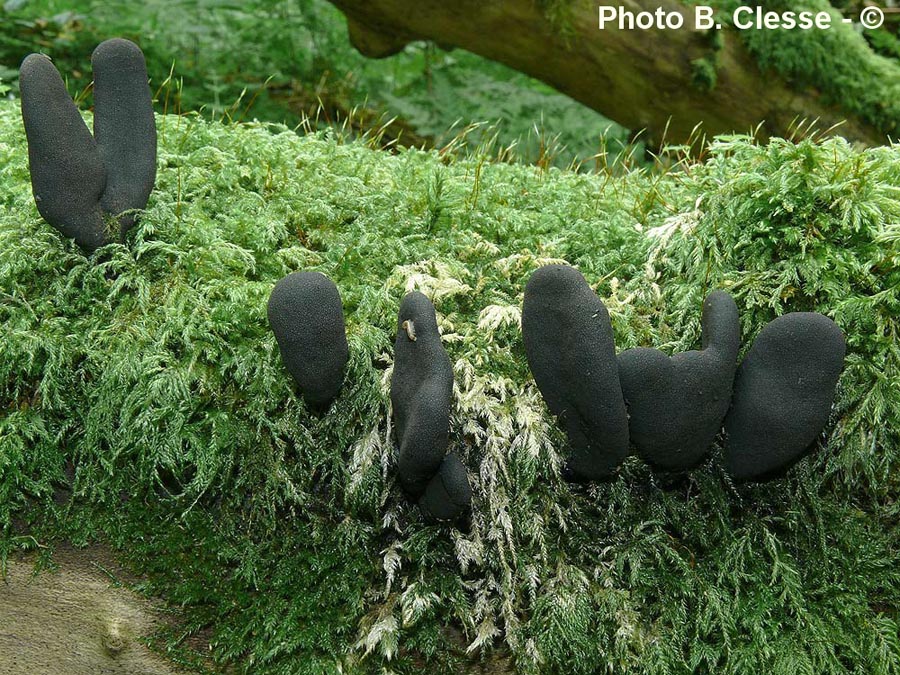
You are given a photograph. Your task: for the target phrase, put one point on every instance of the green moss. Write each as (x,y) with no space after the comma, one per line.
(838,62)
(559,14)
(142,401)
(703,74)
(704,70)
(884,42)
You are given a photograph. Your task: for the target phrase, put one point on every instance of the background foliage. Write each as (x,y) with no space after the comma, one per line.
(291,59)
(143,403)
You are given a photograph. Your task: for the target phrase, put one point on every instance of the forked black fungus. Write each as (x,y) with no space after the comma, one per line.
(307,317)
(78,179)
(571,352)
(67,173)
(421,396)
(124,127)
(783,392)
(676,404)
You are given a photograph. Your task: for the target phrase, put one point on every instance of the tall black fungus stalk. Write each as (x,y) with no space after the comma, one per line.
(82,182)
(421,395)
(124,128)
(783,394)
(571,352)
(307,317)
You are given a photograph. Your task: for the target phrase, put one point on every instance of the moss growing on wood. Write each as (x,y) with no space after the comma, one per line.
(143,402)
(703,73)
(838,62)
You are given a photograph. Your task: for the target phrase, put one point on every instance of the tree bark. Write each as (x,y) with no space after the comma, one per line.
(82,619)
(76,620)
(644,80)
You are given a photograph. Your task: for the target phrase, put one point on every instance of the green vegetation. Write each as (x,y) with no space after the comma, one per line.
(704,73)
(143,403)
(289,60)
(839,62)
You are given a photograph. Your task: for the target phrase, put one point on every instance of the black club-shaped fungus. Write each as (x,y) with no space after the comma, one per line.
(80,180)
(783,392)
(307,317)
(67,174)
(448,495)
(676,404)
(421,396)
(124,127)
(571,352)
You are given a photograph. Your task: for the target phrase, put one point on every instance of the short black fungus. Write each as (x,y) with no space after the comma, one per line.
(448,495)
(783,393)
(676,404)
(79,180)
(307,317)
(421,396)
(571,352)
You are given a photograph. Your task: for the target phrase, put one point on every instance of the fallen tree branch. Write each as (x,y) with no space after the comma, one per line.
(642,79)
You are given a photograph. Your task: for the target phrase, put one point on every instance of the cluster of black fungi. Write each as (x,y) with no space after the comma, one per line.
(307,317)
(670,409)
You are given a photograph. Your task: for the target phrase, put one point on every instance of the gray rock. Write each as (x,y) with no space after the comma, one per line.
(783,393)
(124,127)
(307,317)
(421,396)
(571,352)
(676,404)
(67,173)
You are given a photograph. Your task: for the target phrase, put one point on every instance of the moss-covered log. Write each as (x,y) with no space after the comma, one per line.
(143,401)
(662,81)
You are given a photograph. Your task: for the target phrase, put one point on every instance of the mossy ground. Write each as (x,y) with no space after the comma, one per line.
(143,402)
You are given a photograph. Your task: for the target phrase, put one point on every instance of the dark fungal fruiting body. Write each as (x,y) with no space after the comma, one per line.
(307,317)
(421,393)
(676,404)
(80,180)
(124,127)
(783,392)
(571,352)
(421,396)
(67,173)
(448,495)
